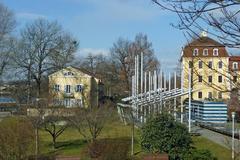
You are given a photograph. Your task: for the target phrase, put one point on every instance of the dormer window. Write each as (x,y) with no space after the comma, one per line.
(195,52)
(205,52)
(235,65)
(215,52)
(68,74)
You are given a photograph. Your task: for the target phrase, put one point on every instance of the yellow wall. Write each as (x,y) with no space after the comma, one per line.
(205,71)
(73,80)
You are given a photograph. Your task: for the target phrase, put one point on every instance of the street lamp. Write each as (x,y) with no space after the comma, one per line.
(233,118)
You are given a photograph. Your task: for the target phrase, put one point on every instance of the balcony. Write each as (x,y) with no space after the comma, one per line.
(68,95)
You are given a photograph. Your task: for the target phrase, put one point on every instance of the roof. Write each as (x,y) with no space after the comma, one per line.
(7,100)
(79,69)
(205,41)
(234,58)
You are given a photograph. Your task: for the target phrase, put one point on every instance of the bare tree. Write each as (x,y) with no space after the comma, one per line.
(43,47)
(7,25)
(123,53)
(219,18)
(55,124)
(90,121)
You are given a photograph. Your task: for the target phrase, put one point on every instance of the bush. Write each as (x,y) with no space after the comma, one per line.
(110,149)
(16,138)
(162,134)
(201,154)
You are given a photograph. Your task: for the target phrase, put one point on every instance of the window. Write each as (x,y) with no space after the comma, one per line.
(68,74)
(219,95)
(210,95)
(195,52)
(235,65)
(199,78)
(79,88)
(210,64)
(199,94)
(220,64)
(67,89)
(209,79)
(215,52)
(56,88)
(234,79)
(67,102)
(220,79)
(200,64)
(190,64)
(205,52)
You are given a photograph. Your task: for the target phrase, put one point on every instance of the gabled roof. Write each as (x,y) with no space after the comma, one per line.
(234,58)
(78,69)
(205,42)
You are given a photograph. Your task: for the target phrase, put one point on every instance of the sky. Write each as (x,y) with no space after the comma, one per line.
(97,24)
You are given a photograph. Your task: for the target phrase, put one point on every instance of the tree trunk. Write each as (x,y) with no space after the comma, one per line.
(36,143)
(54,141)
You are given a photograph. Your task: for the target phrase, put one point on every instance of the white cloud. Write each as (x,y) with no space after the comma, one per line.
(85,51)
(29,16)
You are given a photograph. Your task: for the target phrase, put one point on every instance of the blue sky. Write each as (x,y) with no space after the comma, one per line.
(97,24)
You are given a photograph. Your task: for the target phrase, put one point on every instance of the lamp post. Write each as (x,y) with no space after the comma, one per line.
(233,118)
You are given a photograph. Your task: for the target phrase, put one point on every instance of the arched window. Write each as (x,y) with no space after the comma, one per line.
(215,52)
(205,52)
(195,52)
(235,65)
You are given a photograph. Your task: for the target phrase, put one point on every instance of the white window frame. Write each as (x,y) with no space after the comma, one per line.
(67,88)
(68,74)
(56,87)
(235,65)
(205,49)
(195,52)
(215,50)
(79,88)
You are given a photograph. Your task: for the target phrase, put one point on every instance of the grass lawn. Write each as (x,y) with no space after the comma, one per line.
(218,151)
(71,143)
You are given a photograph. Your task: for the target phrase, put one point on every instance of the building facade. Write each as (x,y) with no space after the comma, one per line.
(207,61)
(74,87)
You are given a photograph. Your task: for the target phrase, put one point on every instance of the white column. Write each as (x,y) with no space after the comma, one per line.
(175,99)
(189,101)
(233,129)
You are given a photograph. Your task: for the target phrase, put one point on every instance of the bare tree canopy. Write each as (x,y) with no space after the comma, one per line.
(219,18)
(7,24)
(44,47)
(123,53)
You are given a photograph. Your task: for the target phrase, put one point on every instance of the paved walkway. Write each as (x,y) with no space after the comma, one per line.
(218,138)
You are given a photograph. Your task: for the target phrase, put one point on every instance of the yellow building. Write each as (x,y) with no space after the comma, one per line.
(207,61)
(73,87)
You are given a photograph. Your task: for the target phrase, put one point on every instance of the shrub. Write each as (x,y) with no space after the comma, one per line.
(162,134)
(201,154)
(16,138)
(110,149)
